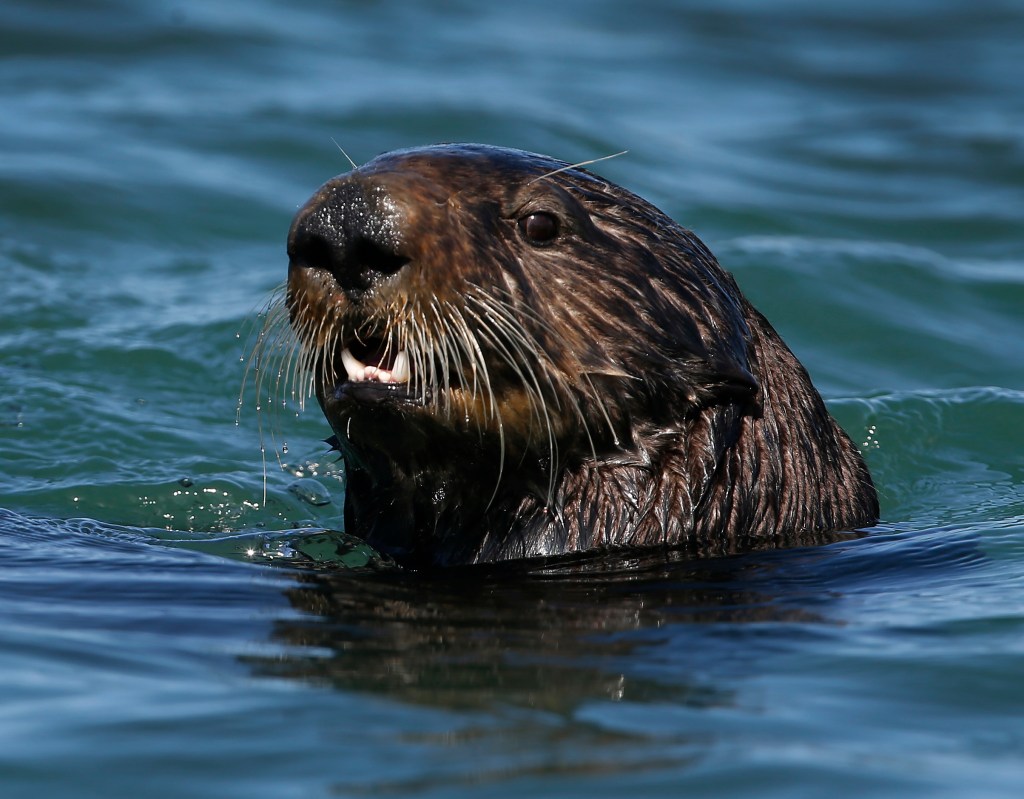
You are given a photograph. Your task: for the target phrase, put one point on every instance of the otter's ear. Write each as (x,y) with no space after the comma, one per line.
(729,382)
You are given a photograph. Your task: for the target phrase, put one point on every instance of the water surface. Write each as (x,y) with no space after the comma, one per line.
(174,624)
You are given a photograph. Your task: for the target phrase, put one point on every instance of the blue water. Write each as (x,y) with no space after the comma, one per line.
(179,615)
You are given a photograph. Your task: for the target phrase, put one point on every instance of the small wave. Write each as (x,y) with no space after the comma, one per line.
(925,450)
(808,253)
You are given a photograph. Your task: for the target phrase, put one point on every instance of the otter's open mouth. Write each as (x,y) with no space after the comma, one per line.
(373,370)
(375,360)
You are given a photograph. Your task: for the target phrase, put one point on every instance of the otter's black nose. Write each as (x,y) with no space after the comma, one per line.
(352,230)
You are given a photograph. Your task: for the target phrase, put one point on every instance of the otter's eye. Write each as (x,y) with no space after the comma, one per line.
(539,228)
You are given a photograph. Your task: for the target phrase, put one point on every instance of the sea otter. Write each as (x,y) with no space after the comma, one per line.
(521,359)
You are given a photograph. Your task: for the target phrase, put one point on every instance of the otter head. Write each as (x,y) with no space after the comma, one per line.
(481,326)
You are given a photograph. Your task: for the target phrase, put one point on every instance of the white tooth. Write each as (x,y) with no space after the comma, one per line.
(356,369)
(400,370)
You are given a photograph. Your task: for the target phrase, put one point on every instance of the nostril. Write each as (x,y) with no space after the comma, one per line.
(311,249)
(361,265)
(369,257)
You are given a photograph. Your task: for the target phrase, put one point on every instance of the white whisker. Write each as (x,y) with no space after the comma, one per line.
(577,165)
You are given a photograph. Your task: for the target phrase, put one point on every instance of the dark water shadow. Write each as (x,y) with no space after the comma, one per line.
(553,635)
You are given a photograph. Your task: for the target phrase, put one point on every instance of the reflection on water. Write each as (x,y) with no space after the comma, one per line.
(545,638)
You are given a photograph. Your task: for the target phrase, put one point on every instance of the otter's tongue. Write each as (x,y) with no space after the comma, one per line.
(375,362)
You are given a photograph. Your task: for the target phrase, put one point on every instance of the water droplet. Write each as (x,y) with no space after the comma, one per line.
(284,448)
(310,491)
